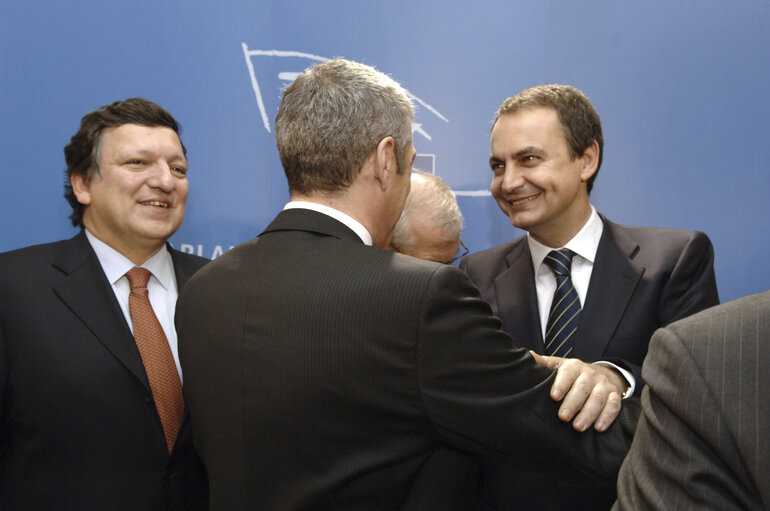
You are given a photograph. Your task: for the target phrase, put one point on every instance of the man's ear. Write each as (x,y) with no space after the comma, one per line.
(384,161)
(81,188)
(590,161)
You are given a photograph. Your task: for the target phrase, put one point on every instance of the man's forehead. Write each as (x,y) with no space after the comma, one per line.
(527,127)
(139,139)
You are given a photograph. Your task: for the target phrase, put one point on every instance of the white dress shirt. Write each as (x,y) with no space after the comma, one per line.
(585,244)
(161,287)
(346,219)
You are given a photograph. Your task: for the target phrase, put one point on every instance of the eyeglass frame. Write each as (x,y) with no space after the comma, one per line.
(456,258)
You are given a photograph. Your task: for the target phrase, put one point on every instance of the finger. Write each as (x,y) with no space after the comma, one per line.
(538,358)
(547,361)
(575,396)
(568,371)
(592,408)
(610,412)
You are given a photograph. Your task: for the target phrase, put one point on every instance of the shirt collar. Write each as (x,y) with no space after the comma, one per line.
(115,264)
(346,219)
(585,243)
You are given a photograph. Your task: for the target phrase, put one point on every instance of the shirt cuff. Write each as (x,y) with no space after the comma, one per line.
(630,380)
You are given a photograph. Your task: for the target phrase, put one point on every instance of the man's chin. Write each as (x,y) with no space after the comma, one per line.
(520,221)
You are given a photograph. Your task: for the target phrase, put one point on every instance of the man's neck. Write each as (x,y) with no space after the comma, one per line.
(137,254)
(298,201)
(559,234)
(349,203)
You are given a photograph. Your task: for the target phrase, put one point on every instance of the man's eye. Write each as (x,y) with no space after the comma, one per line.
(497,166)
(181,171)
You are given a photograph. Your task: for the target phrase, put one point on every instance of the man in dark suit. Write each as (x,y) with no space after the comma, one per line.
(79,428)
(546,149)
(703,441)
(322,373)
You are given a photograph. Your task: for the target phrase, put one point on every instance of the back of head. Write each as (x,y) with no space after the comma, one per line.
(82,153)
(579,119)
(434,200)
(331,119)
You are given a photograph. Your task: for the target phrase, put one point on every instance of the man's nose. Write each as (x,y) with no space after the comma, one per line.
(513,177)
(161,177)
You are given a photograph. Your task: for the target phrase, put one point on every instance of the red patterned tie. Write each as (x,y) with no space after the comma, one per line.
(156,356)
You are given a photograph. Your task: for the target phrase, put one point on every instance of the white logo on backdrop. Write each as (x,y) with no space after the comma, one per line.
(289,64)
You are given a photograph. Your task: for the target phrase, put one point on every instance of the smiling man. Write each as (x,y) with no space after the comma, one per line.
(614,285)
(92,415)
(324,372)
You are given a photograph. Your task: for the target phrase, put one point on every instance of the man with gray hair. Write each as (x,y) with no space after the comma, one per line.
(430,225)
(322,371)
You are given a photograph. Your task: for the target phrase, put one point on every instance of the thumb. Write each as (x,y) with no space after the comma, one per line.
(545,360)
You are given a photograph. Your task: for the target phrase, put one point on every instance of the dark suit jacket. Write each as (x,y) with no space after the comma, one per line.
(642,278)
(703,439)
(79,429)
(322,374)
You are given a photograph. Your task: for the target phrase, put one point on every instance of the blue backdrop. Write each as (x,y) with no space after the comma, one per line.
(682,89)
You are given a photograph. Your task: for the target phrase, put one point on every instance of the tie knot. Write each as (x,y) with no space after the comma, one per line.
(560,261)
(138,277)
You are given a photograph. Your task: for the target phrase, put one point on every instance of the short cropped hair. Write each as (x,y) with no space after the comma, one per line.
(432,197)
(579,120)
(82,153)
(331,119)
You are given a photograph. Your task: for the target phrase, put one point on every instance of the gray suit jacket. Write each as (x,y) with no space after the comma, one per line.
(323,374)
(78,427)
(703,441)
(643,278)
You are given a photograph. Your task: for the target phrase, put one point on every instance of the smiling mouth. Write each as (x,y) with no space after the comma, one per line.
(519,202)
(157,203)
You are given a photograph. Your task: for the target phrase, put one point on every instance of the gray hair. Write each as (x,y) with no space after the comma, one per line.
(432,197)
(331,119)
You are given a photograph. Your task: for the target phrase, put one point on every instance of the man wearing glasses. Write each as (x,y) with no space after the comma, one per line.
(430,224)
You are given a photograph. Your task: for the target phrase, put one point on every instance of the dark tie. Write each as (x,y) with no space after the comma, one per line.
(565,309)
(156,356)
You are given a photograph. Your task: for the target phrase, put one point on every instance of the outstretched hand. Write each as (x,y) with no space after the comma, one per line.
(590,393)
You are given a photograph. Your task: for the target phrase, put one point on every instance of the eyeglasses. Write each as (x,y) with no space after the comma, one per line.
(464,253)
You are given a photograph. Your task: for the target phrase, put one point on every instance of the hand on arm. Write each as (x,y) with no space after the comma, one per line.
(590,393)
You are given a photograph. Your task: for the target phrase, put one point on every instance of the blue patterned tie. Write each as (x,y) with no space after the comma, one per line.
(565,308)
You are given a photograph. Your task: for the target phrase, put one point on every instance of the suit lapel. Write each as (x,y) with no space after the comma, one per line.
(516,296)
(613,281)
(88,294)
(184,267)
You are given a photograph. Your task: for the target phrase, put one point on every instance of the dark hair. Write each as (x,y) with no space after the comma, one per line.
(579,120)
(82,153)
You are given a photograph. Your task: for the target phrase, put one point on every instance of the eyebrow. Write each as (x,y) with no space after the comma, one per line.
(518,154)
(128,153)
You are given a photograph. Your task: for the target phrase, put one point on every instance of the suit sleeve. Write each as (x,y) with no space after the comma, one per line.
(689,288)
(486,397)
(3,380)
(683,455)
(692,285)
